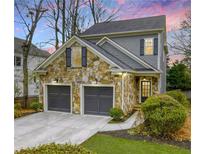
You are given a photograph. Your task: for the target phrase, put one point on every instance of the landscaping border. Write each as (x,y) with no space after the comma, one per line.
(124,134)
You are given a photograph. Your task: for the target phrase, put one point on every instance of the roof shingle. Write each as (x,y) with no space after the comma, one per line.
(148,23)
(34,50)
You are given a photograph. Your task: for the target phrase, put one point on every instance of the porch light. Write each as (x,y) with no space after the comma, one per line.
(94,82)
(55,80)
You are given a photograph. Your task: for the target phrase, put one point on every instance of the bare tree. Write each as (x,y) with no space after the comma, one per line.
(100,13)
(64,19)
(181,43)
(29,14)
(52,17)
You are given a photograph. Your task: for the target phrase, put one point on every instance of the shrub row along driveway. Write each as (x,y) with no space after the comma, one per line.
(47,127)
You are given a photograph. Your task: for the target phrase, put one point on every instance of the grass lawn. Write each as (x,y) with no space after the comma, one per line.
(104,144)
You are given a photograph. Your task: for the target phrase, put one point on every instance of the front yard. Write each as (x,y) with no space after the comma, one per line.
(105,144)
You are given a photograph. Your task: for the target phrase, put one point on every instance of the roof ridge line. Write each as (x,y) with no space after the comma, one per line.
(130,19)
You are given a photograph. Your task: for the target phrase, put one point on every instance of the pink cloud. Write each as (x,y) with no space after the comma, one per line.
(175,58)
(50,49)
(120,2)
(175,12)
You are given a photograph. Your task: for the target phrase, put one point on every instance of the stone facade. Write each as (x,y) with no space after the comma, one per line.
(97,71)
(126,85)
(131,92)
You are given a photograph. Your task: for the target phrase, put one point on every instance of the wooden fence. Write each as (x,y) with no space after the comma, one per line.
(22,102)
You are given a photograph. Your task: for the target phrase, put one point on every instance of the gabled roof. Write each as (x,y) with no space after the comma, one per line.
(88,44)
(117,59)
(139,24)
(35,51)
(122,50)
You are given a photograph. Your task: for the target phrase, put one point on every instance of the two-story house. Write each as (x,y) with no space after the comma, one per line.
(112,64)
(36,56)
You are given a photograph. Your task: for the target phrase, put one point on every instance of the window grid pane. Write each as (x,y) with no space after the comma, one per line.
(17,61)
(149,46)
(146,88)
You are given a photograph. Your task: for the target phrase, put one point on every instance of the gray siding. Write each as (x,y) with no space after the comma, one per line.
(132,44)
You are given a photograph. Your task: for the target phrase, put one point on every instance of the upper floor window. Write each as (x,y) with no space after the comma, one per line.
(76,57)
(17,61)
(76,60)
(148,46)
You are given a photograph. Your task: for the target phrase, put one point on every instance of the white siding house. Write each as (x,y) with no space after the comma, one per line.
(36,56)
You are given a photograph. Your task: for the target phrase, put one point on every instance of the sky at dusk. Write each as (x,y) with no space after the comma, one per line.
(128,9)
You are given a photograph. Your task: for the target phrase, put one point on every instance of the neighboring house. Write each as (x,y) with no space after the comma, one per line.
(36,56)
(115,64)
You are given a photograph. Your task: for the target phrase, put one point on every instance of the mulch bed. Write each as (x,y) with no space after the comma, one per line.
(124,134)
(26,112)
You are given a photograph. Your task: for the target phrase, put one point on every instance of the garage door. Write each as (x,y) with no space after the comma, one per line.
(59,98)
(98,100)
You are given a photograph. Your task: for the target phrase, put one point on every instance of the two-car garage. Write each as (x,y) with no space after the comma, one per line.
(96,100)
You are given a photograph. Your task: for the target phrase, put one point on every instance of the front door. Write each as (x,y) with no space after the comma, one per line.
(145,90)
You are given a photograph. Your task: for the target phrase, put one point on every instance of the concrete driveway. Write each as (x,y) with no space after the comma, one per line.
(47,127)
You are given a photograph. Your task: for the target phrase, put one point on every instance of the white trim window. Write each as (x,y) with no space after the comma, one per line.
(148,46)
(17,61)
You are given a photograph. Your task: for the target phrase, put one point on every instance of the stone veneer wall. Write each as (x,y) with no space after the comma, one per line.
(97,71)
(131,92)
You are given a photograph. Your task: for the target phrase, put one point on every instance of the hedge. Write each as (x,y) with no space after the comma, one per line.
(163,115)
(53,148)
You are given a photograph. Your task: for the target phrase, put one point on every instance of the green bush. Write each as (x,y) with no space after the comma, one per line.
(116,114)
(36,106)
(163,115)
(53,148)
(17,113)
(17,106)
(179,96)
(179,77)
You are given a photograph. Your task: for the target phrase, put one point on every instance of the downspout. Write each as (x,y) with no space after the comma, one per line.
(159,61)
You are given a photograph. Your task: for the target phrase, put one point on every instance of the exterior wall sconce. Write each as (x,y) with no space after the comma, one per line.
(55,80)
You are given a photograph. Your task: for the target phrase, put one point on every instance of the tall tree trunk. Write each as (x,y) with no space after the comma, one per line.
(56,25)
(74,18)
(25,75)
(63,23)
(26,48)
(92,8)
